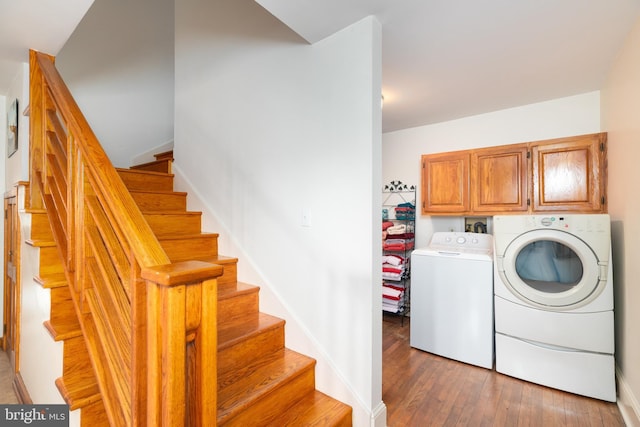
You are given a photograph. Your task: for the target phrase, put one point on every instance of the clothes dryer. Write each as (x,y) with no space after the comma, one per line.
(554,301)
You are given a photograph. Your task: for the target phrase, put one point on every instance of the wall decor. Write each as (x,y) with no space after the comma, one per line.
(12,129)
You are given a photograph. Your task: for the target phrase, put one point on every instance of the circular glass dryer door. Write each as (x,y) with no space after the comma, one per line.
(552,269)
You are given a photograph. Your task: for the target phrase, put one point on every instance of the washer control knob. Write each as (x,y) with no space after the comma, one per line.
(461,240)
(474,241)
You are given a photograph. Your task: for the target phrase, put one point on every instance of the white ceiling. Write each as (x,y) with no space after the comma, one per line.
(43,25)
(442,59)
(447,59)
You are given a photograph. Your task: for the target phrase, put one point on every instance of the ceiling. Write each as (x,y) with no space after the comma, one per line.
(447,59)
(42,25)
(442,59)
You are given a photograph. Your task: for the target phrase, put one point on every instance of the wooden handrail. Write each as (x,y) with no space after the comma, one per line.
(149,325)
(148,251)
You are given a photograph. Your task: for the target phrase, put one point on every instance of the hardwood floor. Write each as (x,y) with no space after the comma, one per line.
(421,389)
(7,395)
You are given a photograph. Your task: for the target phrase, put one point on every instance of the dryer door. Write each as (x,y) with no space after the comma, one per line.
(552,269)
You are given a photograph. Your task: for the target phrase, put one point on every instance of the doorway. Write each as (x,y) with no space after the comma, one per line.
(11,321)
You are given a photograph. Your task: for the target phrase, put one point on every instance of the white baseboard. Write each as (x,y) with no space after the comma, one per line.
(627,402)
(379,416)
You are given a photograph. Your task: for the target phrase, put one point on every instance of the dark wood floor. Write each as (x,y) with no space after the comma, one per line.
(421,389)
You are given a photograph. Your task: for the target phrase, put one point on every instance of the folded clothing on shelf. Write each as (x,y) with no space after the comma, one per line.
(405,211)
(392,259)
(397,229)
(398,244)
(392,298)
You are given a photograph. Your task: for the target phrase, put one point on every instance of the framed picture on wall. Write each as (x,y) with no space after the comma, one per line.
(12,129)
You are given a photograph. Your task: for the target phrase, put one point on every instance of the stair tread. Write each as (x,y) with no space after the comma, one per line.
(35,211)
(257,380)
(78,393)
(173,212)
(181,193)
(61,331)
(316,409)
(158,165)
(53,280)
(40,243)
(187,236)
(143,172)
(240,329)
(164,155)
(231,290)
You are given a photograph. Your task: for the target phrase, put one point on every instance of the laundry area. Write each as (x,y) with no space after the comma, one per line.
(514,277)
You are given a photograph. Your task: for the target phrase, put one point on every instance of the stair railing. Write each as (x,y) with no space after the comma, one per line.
(149,325)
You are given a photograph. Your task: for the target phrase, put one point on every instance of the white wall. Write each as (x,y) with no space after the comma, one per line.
(621,118)
(40,355)
(17,166)
(14,169)
(268,127)
(118,64)
(401,150)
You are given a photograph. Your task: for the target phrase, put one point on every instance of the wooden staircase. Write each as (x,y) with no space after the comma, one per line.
(259,381)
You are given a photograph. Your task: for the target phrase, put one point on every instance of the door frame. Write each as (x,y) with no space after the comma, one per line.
(12,291)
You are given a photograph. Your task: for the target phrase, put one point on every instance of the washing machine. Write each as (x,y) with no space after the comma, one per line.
(553,285)
(452,297)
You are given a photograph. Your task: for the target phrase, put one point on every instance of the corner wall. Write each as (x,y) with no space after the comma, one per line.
(118,64)
(621,118)
(270,130)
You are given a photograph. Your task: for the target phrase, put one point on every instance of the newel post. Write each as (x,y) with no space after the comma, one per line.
(181,343)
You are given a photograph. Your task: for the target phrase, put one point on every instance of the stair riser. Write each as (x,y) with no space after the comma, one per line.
(264,410)
(163,166)
(40,229)
(143,181)
(249,351)
(154,202)
(174,224)
(190,248)
(49,261)
(237,306)
(94,415)
(62,309)
(76,361)
(77,384)
(230,274)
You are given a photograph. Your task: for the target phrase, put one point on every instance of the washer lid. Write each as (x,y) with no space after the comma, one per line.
(552,269)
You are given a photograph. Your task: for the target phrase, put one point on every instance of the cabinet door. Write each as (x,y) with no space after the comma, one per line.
(499,179)
(569,174)
(445,183)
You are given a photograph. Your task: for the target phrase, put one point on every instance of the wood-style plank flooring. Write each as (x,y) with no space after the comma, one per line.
(7,394)
(421,389)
